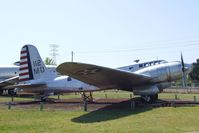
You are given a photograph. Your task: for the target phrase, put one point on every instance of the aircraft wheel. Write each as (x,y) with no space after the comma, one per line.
(11,92)
(149,98)
(43,99)
(1,91)
(146,99)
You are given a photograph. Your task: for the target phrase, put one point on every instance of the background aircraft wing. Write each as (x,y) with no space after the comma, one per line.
(103,77)
(10,81)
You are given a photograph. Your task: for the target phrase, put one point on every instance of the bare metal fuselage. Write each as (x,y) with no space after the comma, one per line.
(162,75)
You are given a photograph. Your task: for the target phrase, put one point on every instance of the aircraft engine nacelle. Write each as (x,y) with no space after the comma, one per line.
(164,85)
(146,90)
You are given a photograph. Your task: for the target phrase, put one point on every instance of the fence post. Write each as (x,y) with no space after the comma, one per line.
(9,105)
(85,105)
(194,97)
(41,106)
(12,98)
(176,96)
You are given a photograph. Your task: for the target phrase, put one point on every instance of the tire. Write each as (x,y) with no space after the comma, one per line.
(1,91)
(149,98)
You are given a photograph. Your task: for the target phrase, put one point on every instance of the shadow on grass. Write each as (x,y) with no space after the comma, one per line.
(110,112)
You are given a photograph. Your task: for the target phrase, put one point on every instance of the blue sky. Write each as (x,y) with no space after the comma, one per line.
(103,32)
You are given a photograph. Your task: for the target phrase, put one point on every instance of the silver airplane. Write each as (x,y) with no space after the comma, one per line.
(9,75)
(146,82)
(52,81)
(35,77)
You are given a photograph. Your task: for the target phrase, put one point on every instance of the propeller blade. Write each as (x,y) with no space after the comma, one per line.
(183,73)
(182,63)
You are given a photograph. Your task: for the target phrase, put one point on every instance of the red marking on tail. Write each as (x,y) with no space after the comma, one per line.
(23,68)
(23,52)
(24,79)
(24,74)
(23,57)
(23,63)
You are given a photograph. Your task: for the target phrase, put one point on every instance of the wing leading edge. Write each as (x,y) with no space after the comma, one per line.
(103,77)
(8,82)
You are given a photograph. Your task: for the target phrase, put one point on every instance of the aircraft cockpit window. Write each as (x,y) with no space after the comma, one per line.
(140,65)
(69,79)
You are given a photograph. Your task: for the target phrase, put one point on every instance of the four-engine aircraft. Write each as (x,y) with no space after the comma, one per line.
(146,82)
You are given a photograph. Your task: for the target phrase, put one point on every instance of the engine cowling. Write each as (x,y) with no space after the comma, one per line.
(146,90)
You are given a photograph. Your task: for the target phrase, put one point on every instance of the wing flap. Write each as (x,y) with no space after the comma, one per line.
(103,77)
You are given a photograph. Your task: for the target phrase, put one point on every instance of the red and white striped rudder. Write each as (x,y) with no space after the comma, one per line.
(31,65)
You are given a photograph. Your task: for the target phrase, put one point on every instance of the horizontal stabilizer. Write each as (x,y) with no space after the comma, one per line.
(9,81)
(24,86)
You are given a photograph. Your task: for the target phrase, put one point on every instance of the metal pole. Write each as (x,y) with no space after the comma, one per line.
(85,105)
(194,97)
(72,53)
(12,98)
(9,105)
(132,104)
(176,96)
(41,106)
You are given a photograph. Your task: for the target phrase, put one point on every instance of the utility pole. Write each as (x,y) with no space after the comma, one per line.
(54,52)
(72,53)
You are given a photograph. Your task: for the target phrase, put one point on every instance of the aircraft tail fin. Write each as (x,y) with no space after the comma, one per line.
(31,65)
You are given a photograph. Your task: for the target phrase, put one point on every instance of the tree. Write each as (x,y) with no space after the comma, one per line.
(194,74)
(49,61)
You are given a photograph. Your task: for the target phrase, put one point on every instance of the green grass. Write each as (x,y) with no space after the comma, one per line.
(109,94)
(157,120)
(124,94)
(180,96)
(124,120)
(8,99)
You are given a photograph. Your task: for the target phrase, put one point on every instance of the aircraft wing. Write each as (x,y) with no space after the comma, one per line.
(103,77)
(10,81)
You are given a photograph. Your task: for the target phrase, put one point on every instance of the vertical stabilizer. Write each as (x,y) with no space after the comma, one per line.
(31,65)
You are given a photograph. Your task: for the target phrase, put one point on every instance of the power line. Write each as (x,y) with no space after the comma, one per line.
(139,49)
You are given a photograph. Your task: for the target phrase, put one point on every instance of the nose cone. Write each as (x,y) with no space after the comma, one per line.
(188,68)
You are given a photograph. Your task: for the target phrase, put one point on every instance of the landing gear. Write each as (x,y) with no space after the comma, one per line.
(44,98)
(11,92)
(88,98)
(1,91)
(149,98)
